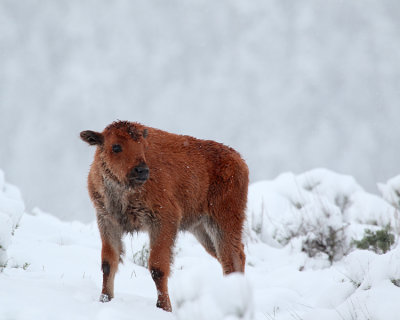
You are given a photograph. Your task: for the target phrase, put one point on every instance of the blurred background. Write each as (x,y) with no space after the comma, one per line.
(292,85)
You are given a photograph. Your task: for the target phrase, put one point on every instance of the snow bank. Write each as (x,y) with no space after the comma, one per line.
(213,297)
(11,209)
(319,212)
(375,280)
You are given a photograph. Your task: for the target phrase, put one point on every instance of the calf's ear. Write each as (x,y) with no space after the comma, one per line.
(92,137)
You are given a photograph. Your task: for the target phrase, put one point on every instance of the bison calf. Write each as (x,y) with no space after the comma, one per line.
(145,179)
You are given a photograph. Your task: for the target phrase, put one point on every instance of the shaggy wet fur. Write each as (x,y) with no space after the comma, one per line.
(195,185)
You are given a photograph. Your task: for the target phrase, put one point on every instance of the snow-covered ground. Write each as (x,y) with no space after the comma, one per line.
(53,267)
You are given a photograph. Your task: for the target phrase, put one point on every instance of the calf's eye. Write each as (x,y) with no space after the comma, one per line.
(116,148)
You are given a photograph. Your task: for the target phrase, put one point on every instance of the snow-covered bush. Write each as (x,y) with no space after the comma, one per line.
(319,212)
(379,241)
(141,257)
(11,210)
(391,191)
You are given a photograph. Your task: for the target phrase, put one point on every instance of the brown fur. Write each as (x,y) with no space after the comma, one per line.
(194,185)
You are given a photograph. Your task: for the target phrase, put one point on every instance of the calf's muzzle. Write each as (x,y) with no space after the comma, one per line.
(139,174)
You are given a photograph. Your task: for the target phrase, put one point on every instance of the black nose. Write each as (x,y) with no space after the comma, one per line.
(139,173)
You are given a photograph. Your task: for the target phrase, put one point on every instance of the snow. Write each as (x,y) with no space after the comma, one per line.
(210,296)
(390,190)
(11,209)
(53,268)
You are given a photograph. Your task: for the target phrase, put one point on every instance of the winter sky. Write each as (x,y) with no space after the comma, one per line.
(292,85)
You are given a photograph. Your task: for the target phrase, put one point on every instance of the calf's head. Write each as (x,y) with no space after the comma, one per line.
(121,152)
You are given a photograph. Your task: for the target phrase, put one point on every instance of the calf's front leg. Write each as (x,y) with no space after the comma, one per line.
(161,245)
(111,252)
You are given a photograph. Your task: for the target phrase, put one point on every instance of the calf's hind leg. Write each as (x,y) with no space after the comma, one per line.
(224,241)
(228,243)
(232,256)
